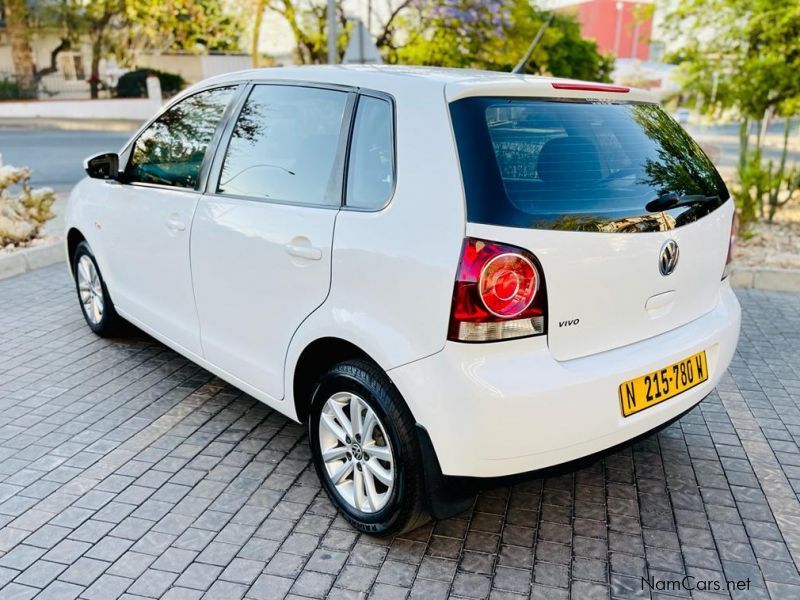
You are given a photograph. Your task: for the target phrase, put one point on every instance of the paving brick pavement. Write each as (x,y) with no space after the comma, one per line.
(127,471)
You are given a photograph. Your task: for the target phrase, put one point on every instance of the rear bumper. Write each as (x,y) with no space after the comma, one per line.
(493,410)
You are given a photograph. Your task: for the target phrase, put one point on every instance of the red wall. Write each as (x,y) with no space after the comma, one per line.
(598,20)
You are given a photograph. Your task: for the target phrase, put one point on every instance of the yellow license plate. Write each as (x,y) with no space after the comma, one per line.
(653,388)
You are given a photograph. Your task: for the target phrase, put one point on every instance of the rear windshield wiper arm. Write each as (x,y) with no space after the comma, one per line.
(670,200)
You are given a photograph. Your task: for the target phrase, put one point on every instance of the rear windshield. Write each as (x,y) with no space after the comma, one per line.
(579,165)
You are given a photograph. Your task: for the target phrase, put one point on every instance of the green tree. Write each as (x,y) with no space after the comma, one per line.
(485,34)
(22,18)
(744,55)
(195,26)
(122,28)
(457,33)
(98,21)
(566,54)
(307,20)
(495,35)
(16,18)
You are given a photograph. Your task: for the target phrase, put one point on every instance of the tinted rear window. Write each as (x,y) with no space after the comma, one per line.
(581,166)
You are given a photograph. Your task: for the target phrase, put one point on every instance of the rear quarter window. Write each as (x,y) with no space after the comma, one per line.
(370,177)
(580,165)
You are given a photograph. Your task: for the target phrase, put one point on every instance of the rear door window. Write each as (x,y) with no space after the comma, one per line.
(581,166)
(287,146)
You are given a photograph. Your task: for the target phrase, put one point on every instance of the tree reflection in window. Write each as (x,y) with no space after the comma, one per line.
(681,167)
(581,166)
(285,146)
(171,151)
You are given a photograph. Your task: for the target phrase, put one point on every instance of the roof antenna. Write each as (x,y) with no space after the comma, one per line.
(520,68)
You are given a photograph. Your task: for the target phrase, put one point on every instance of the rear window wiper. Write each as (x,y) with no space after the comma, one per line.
(670,200)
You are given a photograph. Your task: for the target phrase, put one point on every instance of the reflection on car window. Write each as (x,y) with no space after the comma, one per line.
(371,170)
(285,146)
(171,150)
(587,166)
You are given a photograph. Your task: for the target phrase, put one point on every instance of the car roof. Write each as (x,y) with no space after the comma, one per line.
(453,83)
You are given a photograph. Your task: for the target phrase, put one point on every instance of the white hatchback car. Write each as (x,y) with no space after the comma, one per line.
(451,276)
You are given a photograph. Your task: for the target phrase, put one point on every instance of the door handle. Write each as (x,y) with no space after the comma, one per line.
(307,252)
(175,224)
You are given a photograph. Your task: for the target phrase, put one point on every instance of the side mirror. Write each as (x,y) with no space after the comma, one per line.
(102,166)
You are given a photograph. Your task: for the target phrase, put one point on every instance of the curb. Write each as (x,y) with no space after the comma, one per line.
(65,124)
(775,280)
(29,259)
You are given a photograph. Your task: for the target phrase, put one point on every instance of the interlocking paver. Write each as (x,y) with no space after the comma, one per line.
(84,571)
(127,471)
(60,590)
(107,587)
(40,573)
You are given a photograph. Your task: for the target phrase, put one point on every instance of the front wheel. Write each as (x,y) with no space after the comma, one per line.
(365,450)
(96,305)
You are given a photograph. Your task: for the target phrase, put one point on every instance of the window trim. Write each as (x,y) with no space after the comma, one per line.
(127,150)
(215,171)
(392,108)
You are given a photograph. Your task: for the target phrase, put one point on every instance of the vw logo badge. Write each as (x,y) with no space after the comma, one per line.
(668,258)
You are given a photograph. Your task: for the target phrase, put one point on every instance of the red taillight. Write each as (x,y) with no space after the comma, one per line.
(590,87)
(508,284)
(731,244)
(498,294)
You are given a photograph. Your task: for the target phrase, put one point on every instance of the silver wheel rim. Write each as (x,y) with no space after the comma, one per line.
(356,452)
(90,290)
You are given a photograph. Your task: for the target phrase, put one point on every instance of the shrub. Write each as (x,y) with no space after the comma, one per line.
(10,89)
(764,187)
(23,210)
(133,84)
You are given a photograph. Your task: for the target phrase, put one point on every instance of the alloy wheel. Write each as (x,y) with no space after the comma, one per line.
(90,290)
(356,452)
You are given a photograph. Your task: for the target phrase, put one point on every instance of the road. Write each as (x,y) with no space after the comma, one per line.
(722,144)
(56,156)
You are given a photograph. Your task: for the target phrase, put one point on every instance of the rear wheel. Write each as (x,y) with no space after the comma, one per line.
(365,450)
(96,305)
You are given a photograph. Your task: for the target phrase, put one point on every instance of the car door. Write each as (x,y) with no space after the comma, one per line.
(149,215)
(262,234)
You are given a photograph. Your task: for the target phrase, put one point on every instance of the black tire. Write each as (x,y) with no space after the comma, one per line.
(404,510)
(110,324)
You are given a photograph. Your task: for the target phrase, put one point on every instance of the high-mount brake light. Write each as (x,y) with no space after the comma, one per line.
(590,87)
(498,294)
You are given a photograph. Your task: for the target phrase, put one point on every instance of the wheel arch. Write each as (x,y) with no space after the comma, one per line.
(316,358)
(74,237)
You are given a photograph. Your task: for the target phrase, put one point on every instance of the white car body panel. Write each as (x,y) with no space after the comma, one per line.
(605,290)
(128,222)
(401,311)
(384,283)
(251,291)
(516,409)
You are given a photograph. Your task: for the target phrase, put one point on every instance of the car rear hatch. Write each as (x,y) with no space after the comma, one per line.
(626,215)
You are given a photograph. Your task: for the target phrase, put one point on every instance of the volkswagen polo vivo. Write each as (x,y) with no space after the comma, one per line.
(450,276)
